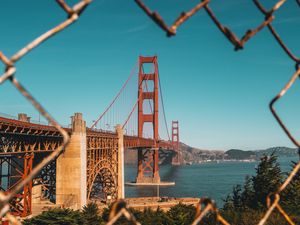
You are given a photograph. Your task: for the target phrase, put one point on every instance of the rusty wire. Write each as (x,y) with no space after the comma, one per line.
(206,205)
(119,209)
(209,206)
(171,30)
(296,169)
(273,31)
(9,74)
(273,200)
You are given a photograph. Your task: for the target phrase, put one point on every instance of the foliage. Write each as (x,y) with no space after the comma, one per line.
(91,215)
(122,220)
(252,217)
(267,180)
(248,204)
(57,216)
(248,194)
(105,214)
(290,198)
(182,214)
(157,217)
(88,216)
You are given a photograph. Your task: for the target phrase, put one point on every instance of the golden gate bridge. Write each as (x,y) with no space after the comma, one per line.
(91,166)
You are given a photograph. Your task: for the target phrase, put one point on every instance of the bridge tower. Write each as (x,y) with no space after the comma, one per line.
(148,170)
(177,159)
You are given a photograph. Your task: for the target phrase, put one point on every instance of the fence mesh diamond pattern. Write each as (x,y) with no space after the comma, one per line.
(119,208)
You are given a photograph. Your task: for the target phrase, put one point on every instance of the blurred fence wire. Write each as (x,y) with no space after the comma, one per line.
(273,200)
(119,209)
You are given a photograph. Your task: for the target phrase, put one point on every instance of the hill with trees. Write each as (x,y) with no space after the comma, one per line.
(196,155)
(239,154)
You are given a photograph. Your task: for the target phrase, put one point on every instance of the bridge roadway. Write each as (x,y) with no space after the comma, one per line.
(37,138)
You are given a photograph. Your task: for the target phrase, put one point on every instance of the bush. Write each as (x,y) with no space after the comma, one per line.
(267,180)
(247,205)
(91,215)
(157,217)
(57,216)
(182,214)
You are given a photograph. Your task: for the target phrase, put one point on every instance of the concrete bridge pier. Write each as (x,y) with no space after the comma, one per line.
(71,168)
(121,188)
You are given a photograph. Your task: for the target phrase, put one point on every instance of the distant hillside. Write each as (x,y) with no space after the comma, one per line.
(280,151)
(196,155)
(190,154)
(239,154)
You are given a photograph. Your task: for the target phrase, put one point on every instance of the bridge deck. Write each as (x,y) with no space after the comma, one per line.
(33,137)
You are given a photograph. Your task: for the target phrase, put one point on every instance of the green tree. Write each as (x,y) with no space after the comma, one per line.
(234,201)
(290,197)
(122,220)
(247,206)
(105,214)
(158,217)
(267,180)
(248,194)
(90,213)
(182,214)
(57,216)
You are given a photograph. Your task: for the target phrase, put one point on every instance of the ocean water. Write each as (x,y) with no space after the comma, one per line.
(214,180)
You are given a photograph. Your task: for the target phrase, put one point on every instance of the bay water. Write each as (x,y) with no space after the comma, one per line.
(214,180)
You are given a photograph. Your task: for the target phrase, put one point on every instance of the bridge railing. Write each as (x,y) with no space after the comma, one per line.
(5,115)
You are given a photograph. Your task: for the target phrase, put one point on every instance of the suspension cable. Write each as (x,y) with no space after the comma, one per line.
(163,106)
(123,87)
(135,105)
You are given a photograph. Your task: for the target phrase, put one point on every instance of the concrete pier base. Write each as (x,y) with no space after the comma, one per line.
(148,179)
(71,168)
(161,183)
(164,203)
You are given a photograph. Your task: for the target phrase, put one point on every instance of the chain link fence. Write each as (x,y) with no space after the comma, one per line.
(273,199)
(119,209)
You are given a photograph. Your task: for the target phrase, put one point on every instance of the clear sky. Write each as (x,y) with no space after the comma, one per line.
(219,96)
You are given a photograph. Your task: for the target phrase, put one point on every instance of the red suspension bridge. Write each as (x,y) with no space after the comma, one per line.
(91,166)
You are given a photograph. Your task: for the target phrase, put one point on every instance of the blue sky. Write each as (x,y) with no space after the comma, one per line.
(219,96)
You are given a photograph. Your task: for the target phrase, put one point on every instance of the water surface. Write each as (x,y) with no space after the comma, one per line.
(213,180)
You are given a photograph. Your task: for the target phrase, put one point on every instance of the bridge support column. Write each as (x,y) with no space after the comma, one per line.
(71,188)
(177,158)
(12,171)
(148,170)
(121,189)
(27,191)
(156,177)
